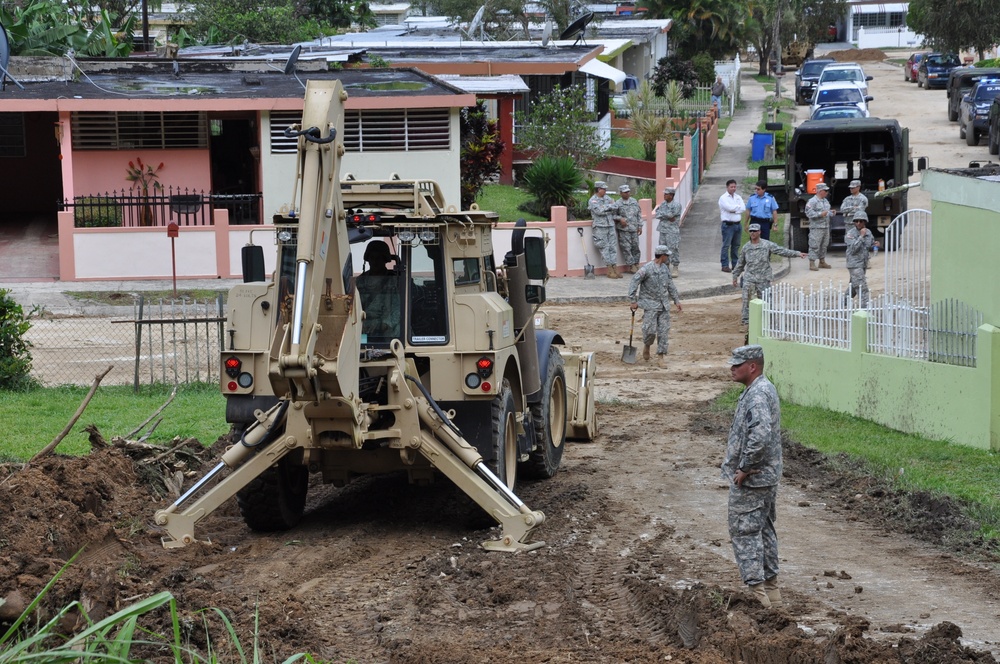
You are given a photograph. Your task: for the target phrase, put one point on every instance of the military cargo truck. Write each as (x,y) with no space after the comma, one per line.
(872,150)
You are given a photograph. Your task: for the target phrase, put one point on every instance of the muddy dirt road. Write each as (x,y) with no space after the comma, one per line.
(637,565)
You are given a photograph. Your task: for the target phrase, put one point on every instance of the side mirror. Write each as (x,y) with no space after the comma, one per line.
(923,163)
(869,78)
(869,98)
(966,98)
(252,256)
(534,258)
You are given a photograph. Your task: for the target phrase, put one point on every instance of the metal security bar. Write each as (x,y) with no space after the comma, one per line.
(953,330)
(907,243)
(897,327)
(178,342)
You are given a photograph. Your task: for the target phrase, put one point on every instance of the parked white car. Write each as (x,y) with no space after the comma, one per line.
(845,72)
(839,93)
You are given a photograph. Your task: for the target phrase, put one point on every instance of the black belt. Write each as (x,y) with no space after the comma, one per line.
(730,222)
(764,219)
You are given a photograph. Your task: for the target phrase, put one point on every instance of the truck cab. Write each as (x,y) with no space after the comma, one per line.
(872,150)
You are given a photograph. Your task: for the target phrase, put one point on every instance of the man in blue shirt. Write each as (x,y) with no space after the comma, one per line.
(762,209)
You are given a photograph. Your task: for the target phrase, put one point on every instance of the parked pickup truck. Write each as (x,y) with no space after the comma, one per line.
(872,150)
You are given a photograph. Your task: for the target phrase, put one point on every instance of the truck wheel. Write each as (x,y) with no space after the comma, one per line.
(952,114)
(276,499)
(971,136)
(961,132)
(800,239)
(504,464)
(994,145)
(550,422)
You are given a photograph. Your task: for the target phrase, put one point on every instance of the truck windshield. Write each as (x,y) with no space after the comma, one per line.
(942,60)
(852,95)
(987,92)
(428,322)
(813,68)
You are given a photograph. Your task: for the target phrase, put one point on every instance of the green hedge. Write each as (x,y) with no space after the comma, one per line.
(96,212)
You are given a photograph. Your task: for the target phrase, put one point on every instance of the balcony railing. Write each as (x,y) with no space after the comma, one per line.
(132,209)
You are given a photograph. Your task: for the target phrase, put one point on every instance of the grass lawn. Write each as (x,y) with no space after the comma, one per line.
(504,199)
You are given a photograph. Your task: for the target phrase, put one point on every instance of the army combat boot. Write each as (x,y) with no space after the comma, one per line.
(761,594)
(613,272)
(773,592)
(674,272)
(645,352)
(661,360)
(824,264)
(812,266)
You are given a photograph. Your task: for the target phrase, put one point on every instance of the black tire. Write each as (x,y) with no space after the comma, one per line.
(504,463)
(920,83)
(276,499)
(961,132)
(993,141)
(952,114)
(550,422)
(971,137)
(800,239)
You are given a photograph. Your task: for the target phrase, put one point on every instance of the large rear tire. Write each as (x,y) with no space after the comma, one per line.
(971,137)
(549,416)
(993,141)
(800,239)
(504,463)
(276,499)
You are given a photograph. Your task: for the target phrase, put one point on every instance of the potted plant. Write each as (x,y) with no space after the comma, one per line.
(146,177)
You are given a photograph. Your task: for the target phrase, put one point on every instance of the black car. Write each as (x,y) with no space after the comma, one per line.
(934,69)
(806,77)
(961,80)
(993,141)
(973,114)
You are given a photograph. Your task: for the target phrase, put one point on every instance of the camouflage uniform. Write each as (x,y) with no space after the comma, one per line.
(857,250)
(819,227)
(851,204)
(755,266)
(628,237)
(601,211)
(653,289)
(668,216)
(380,300)
(754,444)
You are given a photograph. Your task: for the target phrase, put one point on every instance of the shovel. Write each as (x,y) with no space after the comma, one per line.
(629,353)
(588,269)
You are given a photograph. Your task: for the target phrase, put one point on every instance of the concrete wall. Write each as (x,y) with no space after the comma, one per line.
(937,401)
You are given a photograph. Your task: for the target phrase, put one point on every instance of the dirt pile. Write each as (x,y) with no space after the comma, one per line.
(857,55)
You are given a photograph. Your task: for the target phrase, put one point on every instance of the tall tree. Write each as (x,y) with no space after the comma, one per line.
(954,25)
(281,21)
(559,125)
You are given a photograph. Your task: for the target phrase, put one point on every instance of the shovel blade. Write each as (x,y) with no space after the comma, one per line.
(588,272)
(629,354)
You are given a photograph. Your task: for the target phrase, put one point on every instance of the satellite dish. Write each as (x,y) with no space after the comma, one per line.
(477,23)
(4,60)
(547,33)
(577,27)
(292,59)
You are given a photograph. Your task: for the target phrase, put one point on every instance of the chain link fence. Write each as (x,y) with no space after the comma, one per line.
(162,341)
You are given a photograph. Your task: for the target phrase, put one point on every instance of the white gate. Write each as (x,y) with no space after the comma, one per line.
(907,243)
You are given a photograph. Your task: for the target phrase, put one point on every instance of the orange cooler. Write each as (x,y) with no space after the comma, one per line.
(813,178)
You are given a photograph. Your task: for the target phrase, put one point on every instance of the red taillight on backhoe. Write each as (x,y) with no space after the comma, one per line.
(233,366)
(484,367)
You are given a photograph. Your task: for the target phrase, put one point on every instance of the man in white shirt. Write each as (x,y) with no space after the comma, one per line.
(731,208)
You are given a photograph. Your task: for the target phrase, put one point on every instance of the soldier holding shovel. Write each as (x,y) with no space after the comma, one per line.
(652,288)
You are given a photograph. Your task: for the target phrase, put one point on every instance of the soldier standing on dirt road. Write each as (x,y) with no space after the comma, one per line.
(629,216)
(602,208)
(755,266)
(668,216)
(818,211)
(855,202)
(753,468)
(652,288)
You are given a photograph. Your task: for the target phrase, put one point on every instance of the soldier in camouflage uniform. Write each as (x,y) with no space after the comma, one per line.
(856,202)
(652,288)
(668,218)
(753,468)
(602,208)
(629,217)
(819,212)
(859,242)
(755,266)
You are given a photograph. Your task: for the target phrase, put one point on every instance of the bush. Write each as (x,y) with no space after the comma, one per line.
(552,181)
(15,356)
(704,65)
(673,68)
(558,125)
(97,212)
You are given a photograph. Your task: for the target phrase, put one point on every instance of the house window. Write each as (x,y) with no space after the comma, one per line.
(12,135)
(135,130)
(390,130)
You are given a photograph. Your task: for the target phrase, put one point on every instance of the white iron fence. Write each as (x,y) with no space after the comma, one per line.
(901,321)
